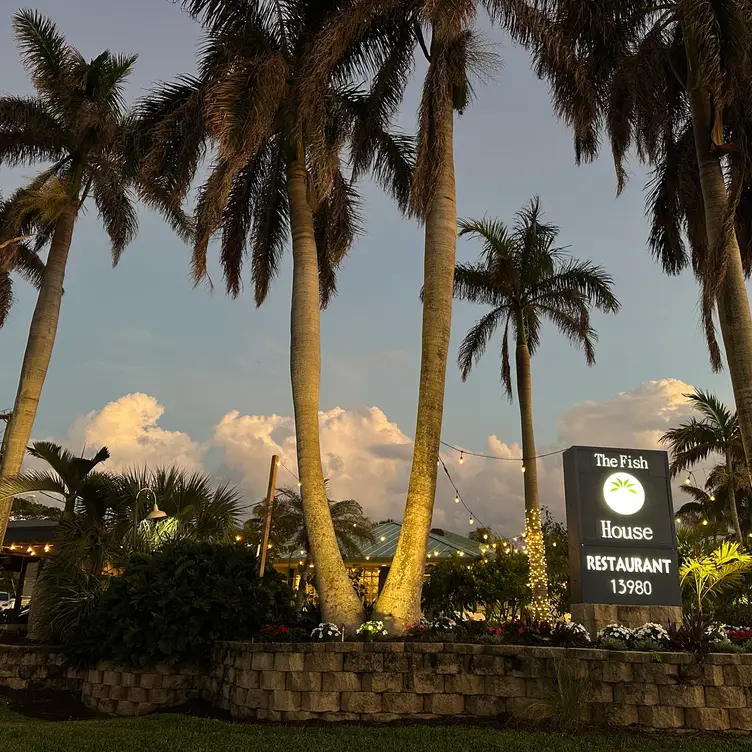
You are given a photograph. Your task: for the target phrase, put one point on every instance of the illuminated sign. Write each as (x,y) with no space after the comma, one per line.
(622,542)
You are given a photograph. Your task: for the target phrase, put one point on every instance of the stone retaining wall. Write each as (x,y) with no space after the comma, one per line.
(36,667)
(391,681)
(131,691)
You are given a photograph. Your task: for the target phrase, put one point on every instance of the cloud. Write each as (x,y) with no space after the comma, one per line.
(368,457)
(128,428)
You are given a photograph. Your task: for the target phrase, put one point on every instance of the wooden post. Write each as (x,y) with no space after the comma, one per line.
(269,508)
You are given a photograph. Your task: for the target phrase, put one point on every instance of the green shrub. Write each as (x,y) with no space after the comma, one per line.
(172,605)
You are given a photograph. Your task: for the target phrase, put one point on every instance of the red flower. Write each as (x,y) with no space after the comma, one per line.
(520,630)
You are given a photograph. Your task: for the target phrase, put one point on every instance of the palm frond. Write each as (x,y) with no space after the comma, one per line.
(474,344)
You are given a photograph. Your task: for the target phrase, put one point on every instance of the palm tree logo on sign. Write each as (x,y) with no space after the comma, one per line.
(623,493)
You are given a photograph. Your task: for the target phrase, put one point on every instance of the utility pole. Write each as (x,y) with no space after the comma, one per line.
(269,507)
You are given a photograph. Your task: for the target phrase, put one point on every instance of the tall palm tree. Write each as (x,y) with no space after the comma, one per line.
(526,279)
(74,121)
(278,174)
(289,533)
(717,432)
(672,80)
(444,32)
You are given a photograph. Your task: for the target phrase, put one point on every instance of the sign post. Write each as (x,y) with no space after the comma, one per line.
(622,541)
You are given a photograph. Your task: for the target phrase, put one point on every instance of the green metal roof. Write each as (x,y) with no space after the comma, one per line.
(441,545)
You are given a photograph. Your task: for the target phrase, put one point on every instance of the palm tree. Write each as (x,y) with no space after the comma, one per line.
(454,54)
(196,509)
(16,256)
(672,80)
(289,533)
(278,174)
(74,121)
(525,279)
(717,432)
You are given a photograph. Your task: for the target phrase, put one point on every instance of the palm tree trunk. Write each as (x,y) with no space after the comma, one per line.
(733,304)
(536,550)
(732,498)
(37,356)
(300,593)
(399,602)
(339,603)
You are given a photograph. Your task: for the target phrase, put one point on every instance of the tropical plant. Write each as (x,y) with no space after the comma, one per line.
(526,278)
(567,695)
(16,256)
(671,79)
(717,432)
(709,579)
(196,508)
(278,173)
(289,534)
(172,605)
(75,121)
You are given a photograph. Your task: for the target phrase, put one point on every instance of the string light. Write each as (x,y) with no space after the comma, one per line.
(496,456)
(485,536)
(472,521)
(456,499)
(704,522)
(462,457)
(238,538)
(522,469)
(47,548)
(458,496)
(540,606)
(711,497)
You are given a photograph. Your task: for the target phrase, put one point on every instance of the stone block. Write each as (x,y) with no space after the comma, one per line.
(126,707)
(444,704)
(111,678)
(682,696)
(538,689)
(128,679)
(725,697)
(304,681)
(521,707)
(158,696)
(423,682)
(485,705)
(248,679)
(656,673)
(397,662)
(737,676)
(298,716)
(443,663)
(380,717)
(486,665)
(385,681)
(361,702)
(282,700)
(388,647)
(118,693)
(144,708)
(150,681)
(740,718)
(424,647)
(340,681)
(289,662)
(636,694)
(707,719)
(340,717)
(324,662)
(321,702)
(701,673)
(401,703)
(608,714)
(660,716)
(106,706)
(267,714)
(238,696)
(273,680)
(611,671)
(601,692)
(463,649)
(464,684)
(666,615)
(262,661)
(257,699)
(360,662)
(505,686)
(723,659)
(632,616)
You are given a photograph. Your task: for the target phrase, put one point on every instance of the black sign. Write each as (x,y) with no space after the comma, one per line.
(620,519)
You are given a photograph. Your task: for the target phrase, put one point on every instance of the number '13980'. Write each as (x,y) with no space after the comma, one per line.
(633,587)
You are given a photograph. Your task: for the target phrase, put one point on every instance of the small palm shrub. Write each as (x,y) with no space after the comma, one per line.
(171,606)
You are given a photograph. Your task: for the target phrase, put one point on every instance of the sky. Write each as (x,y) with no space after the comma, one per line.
(161,372)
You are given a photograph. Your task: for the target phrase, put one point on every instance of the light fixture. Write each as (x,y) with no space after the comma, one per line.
(522,469)
(300,485)
(457,499)
(472,521)
(554,544)
(269,545)
(238,538)
(368,558)
(355,524)
(711,497)
(704,522)
(485,536)
(301,563)
(156,513)
(310,566)
(436,552)
(461,553)
(30,550)
(47,548)
(302,550)
(383,538)
(12,546)
(687,481)
(462,458)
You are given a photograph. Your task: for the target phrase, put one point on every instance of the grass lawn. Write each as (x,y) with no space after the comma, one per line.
(176,733)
